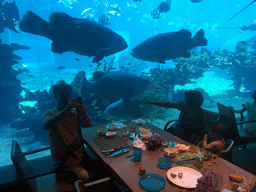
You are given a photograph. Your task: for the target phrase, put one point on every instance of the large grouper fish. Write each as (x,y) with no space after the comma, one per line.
(80,36)
(167,46)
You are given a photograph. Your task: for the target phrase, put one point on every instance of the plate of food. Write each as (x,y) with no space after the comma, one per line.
(184,176)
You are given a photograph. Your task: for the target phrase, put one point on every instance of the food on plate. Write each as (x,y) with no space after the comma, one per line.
(180,174)
(182,148)
(142,170)
(236,178)
(112,128)
(133,127)
(173,175)
(101,131)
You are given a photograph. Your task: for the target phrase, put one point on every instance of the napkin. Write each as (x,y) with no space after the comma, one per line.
(117,125)
(182,148)
(137,143)
(145,131)
(139,121)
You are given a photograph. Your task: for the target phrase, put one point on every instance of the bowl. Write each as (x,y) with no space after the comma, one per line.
(170,152)
(165,162)
(101,132)
(110,134)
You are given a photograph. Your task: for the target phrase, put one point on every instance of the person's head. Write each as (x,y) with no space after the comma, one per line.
(217,130)
(193,99)
(62,93)
(254,96)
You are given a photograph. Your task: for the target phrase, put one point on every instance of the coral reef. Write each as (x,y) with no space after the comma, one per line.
(9,84)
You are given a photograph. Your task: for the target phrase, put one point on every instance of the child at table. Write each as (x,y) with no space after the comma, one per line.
(216,135)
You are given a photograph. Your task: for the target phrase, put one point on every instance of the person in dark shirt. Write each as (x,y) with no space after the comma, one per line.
(192,119)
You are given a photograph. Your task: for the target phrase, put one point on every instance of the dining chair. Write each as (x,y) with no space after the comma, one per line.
(102,185)
(27,171)
(227,152)
(227,117)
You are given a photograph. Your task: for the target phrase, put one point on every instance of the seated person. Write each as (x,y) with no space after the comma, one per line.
(192,119)
(65,138)
(216,134)
(250,128)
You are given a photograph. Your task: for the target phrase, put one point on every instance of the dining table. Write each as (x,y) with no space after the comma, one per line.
(126,171)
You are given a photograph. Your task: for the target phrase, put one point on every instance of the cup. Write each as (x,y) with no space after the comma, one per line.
(125,135)
(137,155)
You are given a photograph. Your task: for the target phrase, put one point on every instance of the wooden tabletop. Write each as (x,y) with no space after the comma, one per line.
(125,170)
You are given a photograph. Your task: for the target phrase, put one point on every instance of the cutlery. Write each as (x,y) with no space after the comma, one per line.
(120,152)
(114,149)
(129,155)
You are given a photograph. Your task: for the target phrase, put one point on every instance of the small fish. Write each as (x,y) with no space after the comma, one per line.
(61,67)
(115,7)
(96,107)
(77,59)
(129,64)
(114,13)
(92,94)
(91,65)
(196,1)
(113,68)
(134,70)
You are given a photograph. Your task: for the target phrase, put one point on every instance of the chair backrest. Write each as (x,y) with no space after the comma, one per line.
(99,185)
(227,153)
(227,117)
(19,161)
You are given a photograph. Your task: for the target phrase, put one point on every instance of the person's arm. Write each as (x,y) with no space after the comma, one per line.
(163,104)
(84,119)
(50,121)
(209,146)
(241,110)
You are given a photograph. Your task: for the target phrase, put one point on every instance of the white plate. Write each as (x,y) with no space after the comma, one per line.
(110,134)
(189,178)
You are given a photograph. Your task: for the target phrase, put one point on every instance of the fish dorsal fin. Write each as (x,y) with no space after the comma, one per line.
(57,18)
(185,33)
(97,75)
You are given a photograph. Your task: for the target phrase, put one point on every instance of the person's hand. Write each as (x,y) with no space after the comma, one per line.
(81,109)
(70,104)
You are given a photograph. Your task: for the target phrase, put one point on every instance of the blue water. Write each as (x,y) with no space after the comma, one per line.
(135,26)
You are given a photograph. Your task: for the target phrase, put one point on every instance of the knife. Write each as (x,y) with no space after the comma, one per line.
(114,149)
(120,152)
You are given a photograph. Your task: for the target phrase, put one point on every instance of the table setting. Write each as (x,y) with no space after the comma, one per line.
(155,156)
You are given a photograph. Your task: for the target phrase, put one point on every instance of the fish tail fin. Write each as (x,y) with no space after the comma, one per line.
(32,23)
(199,39)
